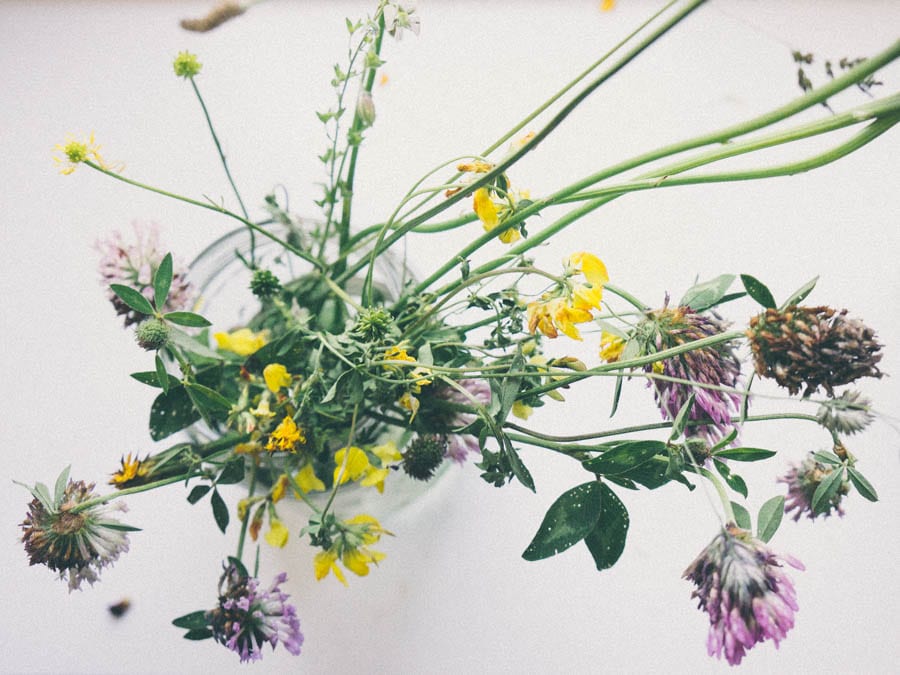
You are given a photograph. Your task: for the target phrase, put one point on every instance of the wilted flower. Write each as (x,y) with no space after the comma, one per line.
(846,414)
(247,617)
(802,481)
(813,346)
(741,585)
(715,365)
(134,264)
(77,544)
(134,471)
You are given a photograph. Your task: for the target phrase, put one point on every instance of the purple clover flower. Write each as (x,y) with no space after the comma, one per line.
(742,586)
(247,617)
(716,365)
(460,445)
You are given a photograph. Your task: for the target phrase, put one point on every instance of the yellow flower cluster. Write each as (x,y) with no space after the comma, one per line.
(286,436)
(353,464)
(570,304)
(352,548)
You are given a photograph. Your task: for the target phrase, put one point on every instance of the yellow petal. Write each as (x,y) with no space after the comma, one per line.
(307,481)
(356,464)
(522,411)
(276,377)
(278,534)
(242,342)
(485,208)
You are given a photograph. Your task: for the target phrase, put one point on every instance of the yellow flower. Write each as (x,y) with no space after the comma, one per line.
(286,436)
(278,489)
(489,214)
(357,560)
(396,353)
(74,152)
(186,65)
(307,481)
(278,534)
(607,5)
(262,411)
(477,166)
(387,453)
(350,464)
(411,403)
(276,377)
(132,471)
(325,562)
(522,411)
(565,317)
(594,271)
(554,315)
(242,342)
(611,347)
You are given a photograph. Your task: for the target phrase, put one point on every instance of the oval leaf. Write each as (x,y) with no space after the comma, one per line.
(758,291)
(132,298)
(568,520)
(171,412)
(862,486)
(520,471)
(745,454)
(800,294)
(706,294)
(198,634)
(187,319)
(734,481)
(682,417)
(220,511)
(607,540)
(741,516)
(162,377)
(194,620)
(827,457)
(827,490)
(198,493)
(625,456)
(162,281)
(233,472)
(769,518)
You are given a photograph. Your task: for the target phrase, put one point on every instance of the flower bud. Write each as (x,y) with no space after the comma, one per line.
(186,65)
(365,109)
(152,334)
(264,284)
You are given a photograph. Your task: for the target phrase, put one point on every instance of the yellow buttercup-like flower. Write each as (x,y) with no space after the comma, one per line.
(242,342)
(286,437)
(74,152)
(276,377)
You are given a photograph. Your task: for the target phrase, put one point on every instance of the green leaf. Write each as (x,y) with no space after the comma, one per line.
(745,454)
(617,394)
(162,281)
(162,376)
(769,518)
(181,339)
(59,489)
(706,294)
(198,634)
(194,620)
(132,298)
(734,481)
(206,399)
(682,417)
(568,520)
(220,511)
(520,471)
(607,540)
(741,516)
(624,457)
(509,387)
(827,490)
(862,486)
(171,412)
(116,525)
(149,377)
(725,441)
(187,319)
(43,498)
(827,457)
(198,493)
(758,291)
(800,294)
(233,472)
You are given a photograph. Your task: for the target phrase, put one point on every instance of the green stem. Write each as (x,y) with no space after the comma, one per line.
(317,263)
(237,194)
(243,535)
(720,490)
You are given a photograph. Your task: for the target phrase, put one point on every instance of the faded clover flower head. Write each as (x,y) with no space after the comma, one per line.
(247,616)
(802,481)
(76,544)
(847,414)
(813,347)
(741,584)
(134,264)
(716,365)
(460,445)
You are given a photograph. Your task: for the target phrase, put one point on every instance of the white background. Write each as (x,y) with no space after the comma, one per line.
(453,594)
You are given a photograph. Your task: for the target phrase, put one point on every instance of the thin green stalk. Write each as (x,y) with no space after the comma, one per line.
(337,483)
(318,264)
(243,535)
(237,194)
(720,490)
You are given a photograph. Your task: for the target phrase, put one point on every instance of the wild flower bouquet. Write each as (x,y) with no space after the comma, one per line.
(350,373)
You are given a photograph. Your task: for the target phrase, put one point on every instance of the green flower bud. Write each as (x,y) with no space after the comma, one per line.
(152,334)
(365,109)
(186,65)
(373,324)
(423,456)
(264,284)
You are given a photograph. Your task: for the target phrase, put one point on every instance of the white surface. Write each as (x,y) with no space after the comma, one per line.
(453,596)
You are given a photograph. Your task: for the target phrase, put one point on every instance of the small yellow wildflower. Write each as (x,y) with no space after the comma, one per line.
(74,152)
(242,342)
(131,473)
(307,480)
(262,411)
(357,560)
(186,65)
(554,315)
(658,367)
(276,377)
(411,403)
(594,271)
(351,546)
(325,562)
(611,347)
(607,5)
(278,534)
(396,353)
(286,436)
(349,464)
(521,410)
(387,453)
